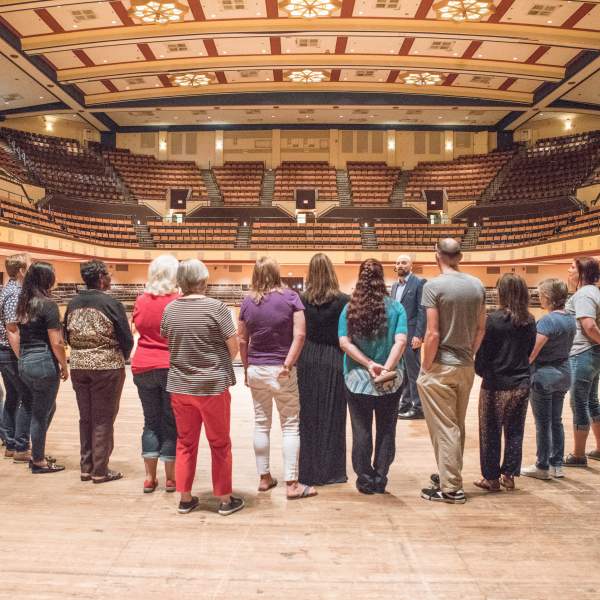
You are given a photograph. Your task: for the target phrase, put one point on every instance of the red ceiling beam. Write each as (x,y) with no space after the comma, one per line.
(277,75)
(122,13)
(507,83)
(146,51)
(335,75)
(109,85)
(221,77)
(347,9)
(340,44)
(450,79)
(583,10)
(423,9)
(211,47)
(84,58)
(272,9)
(197,11)
(537,55)
(164,79)
(407,44)
(50,21)
(471,49)
(275,45)
(393,76)
(500,11)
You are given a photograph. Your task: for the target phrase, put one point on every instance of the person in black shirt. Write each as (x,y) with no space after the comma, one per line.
(41,357)
(321,380)
(503,363)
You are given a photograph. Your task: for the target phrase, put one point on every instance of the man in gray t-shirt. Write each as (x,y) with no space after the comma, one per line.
(455,304)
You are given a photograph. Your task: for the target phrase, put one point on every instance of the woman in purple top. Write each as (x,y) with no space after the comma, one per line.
(272,331)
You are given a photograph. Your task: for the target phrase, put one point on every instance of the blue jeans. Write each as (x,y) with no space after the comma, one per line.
(39,373)
(16,414)
(159,437)
(585,371)
(549,384)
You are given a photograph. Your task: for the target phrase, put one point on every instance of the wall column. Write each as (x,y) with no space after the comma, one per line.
(219,142)
(390,147)
(448,145)
(334,148)
(275,148)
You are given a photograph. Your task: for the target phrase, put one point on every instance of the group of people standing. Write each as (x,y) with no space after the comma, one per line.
(314,356)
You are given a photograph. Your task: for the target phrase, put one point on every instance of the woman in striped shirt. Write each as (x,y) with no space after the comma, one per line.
(202,343)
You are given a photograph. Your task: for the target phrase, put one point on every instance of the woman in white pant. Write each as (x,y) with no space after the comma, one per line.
(272,331)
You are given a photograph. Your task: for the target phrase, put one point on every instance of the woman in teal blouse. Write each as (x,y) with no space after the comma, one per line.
(372,331)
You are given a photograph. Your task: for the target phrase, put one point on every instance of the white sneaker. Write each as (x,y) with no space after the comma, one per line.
(534,472)
(557,472)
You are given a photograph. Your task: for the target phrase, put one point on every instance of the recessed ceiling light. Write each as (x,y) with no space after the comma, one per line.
(127,88)
(114,22)
(440,117)
(360,12)
(258,13)
(104,61)
(480,56)
(75,26)
(416,52)
(224,51)
(263,51)
(213,16)
(41,97)
(549,22)
(162,56)
(515,58)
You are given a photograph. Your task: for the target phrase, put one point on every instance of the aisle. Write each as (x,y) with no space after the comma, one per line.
(63,539)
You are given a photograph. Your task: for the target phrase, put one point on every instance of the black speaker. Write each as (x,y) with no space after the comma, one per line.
(435,200)
(178,198)
(305,199)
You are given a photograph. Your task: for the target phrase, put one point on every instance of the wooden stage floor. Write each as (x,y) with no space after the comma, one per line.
(64,539)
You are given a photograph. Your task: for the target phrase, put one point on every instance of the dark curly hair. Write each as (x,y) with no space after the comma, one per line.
(92,273)
(37,284)
(366,309)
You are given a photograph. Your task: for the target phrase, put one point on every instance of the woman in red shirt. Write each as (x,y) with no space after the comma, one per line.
(150,367)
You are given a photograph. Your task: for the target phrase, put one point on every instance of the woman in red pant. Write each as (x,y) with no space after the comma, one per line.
(202,343)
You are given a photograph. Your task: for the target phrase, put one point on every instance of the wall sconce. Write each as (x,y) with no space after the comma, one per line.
(391,144)
(49,125)
(568,124)
(449,145)
(219,145)
(162,145)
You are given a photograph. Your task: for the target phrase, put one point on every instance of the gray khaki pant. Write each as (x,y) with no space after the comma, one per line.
(444,392)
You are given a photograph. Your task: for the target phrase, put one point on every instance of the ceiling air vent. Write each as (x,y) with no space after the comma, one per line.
(233,4)
(135,81)
(542,10)
(414,112)
(177,47)
(360,111)
(481,79)
(443,45)
(248,74)
(253,111)
(365,73)
(390,4)
(80,16)
(308,42)
(198,113)
(306,111)
(11,97)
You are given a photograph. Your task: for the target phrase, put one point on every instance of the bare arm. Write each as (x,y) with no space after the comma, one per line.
(432,338)
(58,348)
(396,352)
(540,341)
(480,332)
(355,354)
(297,343)
(14,337)
(233,346)
(590,328)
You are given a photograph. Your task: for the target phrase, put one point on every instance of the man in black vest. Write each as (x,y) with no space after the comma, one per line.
(408,290)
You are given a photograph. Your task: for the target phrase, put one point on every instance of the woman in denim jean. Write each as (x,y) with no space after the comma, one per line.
(550,379)
(41,354)
(150,368)
(584,275)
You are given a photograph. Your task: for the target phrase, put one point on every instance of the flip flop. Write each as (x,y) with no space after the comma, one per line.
(486,484)
(306,493)
(273,483)
(110,476)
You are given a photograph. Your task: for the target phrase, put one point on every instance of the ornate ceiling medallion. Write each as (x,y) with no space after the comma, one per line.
(422,79)
(463,10)
(307,76)
(192,79)
(157,11)
(309,9)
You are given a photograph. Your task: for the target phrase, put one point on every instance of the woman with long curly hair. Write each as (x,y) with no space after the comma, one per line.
(372,331)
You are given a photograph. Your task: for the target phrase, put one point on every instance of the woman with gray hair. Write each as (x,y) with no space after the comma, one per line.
(202,343)
(150,367)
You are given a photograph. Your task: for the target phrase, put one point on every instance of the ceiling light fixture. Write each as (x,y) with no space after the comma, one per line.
(463,10)
(307,76)
(157,11)
(309,9)
(422,79)
(192,79)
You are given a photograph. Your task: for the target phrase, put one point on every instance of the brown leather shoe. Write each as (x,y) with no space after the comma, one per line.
(22,457)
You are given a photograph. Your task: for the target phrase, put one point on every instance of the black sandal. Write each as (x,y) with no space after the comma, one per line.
(85,477)
(110,476)
(48,468)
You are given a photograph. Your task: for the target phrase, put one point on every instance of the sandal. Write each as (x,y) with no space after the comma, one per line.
(85,477)
(110,476)
(150,486)
(490,485)
(594,454)
(575,461)
(507,482)
(306,493)
(273,484)
(47,468)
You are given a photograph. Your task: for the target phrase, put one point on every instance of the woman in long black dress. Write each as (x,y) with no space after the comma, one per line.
(321,380)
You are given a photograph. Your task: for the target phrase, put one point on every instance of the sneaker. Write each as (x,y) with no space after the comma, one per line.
(557,472)
(436,495)
(170,486)
(187,507)
(575,461)
(234,504)
(533,471)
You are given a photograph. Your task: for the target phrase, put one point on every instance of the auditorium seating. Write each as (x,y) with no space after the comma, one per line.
(217,234)
(12,166)
(310,175)
(64,167)
(464,178)
(149,179)
(114,231)
(511,232)
(552,168)
(415,236)
(24,215)
(240,182)
(581,224)
(371,182)
(309,235)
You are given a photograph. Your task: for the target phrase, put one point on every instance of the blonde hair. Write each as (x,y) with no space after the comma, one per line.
(192,276)
(265,278)
(321,282)
(555,291)
(15,263)
(162,275)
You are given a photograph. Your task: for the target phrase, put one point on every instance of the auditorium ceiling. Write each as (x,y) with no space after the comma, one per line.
(132,63)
